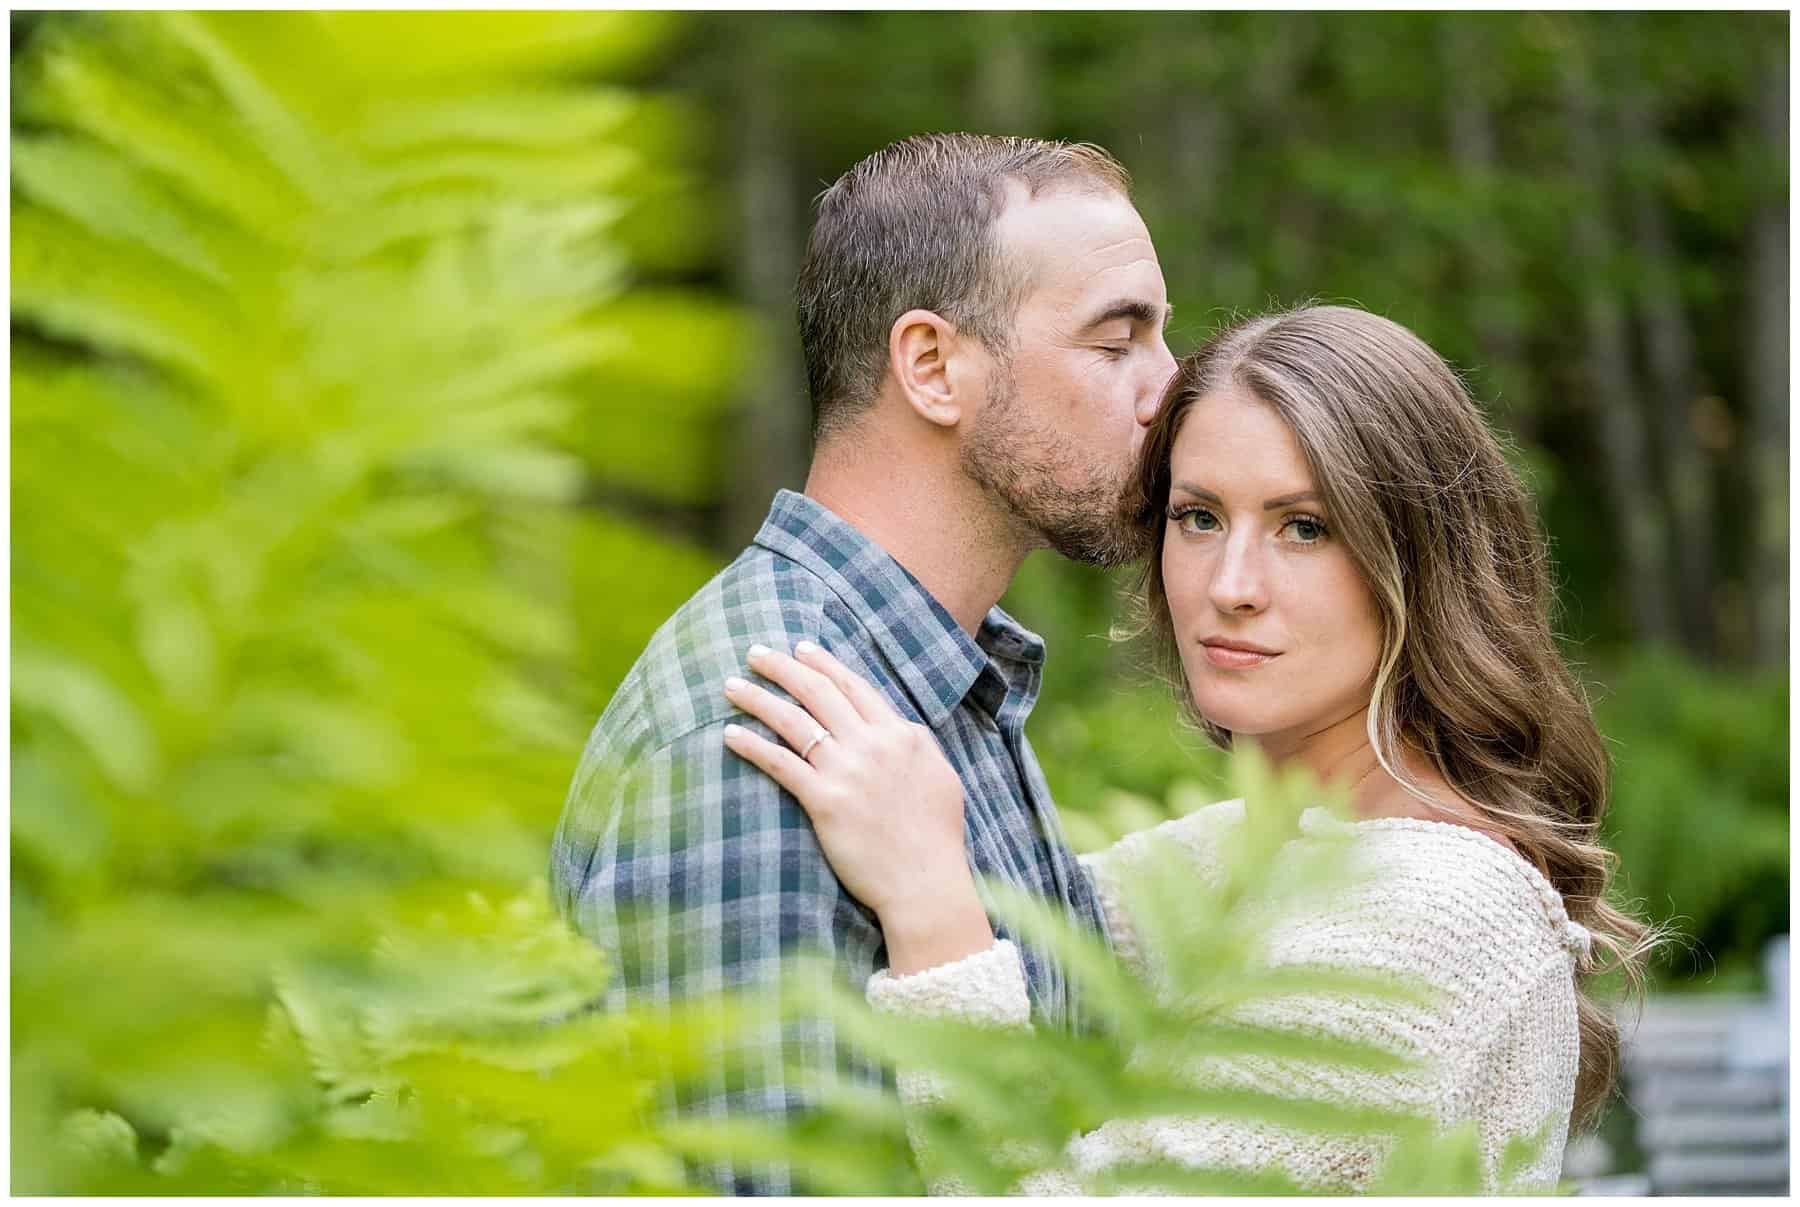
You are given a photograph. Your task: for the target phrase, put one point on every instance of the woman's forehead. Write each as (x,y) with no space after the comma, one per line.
(1232,436)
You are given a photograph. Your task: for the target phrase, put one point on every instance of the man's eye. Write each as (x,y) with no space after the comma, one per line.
(1116,350)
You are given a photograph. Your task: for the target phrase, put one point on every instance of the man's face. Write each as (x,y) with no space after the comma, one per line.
(1057,438)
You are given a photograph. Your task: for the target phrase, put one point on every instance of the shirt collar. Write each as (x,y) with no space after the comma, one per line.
(929,652)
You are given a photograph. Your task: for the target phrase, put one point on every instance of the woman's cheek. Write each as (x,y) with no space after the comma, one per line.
(1184,586)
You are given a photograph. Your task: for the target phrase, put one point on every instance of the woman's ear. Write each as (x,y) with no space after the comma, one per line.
(921,344)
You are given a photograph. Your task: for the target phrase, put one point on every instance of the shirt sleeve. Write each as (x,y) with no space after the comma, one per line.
(697,875)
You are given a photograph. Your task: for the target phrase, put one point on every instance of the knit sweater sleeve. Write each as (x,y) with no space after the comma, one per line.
(1494,1044)
(1194,837)
(985,989)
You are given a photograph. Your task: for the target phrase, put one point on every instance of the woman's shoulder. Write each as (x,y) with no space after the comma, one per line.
(1454,877)
(1429,885)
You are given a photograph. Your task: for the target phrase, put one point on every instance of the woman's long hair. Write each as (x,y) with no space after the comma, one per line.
(1447,541)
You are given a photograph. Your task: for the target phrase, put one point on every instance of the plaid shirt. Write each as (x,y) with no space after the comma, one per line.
(697,873)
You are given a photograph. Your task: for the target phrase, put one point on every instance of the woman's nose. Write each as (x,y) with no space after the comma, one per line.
(1239,584)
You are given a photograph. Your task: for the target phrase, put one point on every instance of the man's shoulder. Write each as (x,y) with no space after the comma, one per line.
(676,686)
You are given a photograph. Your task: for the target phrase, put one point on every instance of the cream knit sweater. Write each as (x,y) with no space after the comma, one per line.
(1439,902)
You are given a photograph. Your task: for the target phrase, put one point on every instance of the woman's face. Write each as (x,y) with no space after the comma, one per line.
(1279,637)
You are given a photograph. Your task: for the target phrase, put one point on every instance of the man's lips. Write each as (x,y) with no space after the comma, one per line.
(1236,655)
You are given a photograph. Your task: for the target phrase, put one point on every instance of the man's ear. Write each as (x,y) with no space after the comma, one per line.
(921,347)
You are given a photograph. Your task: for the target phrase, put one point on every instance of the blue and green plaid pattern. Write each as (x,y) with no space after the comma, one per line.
(697,874)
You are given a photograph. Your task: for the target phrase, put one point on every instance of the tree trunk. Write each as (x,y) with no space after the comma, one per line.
(1669,342)
(773,437)
(1299,226)
(1768,376)
(1197,155)
(1176,134)
(1499,331)
(1612,396)
(1008,94)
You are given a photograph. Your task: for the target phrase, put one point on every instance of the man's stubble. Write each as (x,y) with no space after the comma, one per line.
(1026,467)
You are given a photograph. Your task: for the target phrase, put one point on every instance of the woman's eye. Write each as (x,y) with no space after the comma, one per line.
(1115,350)
(1195,519)
(1306,530)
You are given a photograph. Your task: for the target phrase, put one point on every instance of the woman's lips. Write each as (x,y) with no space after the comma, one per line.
(1234,659)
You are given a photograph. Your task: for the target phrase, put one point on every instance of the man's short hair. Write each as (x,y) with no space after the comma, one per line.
(912,227)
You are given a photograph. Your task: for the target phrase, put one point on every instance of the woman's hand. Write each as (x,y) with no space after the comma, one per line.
(885,802)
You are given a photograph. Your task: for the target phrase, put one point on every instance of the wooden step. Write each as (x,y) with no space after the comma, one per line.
(1715,1173)
(1745,1090)
(1714,1130)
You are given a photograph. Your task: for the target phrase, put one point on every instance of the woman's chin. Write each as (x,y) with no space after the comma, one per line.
(1239,722)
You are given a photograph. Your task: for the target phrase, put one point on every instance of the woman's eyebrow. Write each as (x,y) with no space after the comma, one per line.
(1289,500)
(1299,496)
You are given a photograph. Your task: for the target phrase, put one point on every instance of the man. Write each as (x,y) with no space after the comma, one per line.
(982,325)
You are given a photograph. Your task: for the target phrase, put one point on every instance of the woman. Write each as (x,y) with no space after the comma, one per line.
(1346,570)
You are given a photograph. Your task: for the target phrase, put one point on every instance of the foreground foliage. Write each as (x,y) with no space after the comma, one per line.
(310,342)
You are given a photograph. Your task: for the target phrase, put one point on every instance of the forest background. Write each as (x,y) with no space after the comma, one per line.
(381,381)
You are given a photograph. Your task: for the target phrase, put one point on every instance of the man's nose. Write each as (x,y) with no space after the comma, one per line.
(1150,400)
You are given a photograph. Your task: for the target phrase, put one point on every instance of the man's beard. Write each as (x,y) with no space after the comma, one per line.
(1025,468)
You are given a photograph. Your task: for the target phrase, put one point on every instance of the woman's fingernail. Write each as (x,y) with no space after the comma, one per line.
(804,647)
(732,731)
(735,684)
(758,650)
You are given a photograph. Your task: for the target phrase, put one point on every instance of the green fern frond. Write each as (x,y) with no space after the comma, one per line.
(308,340)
